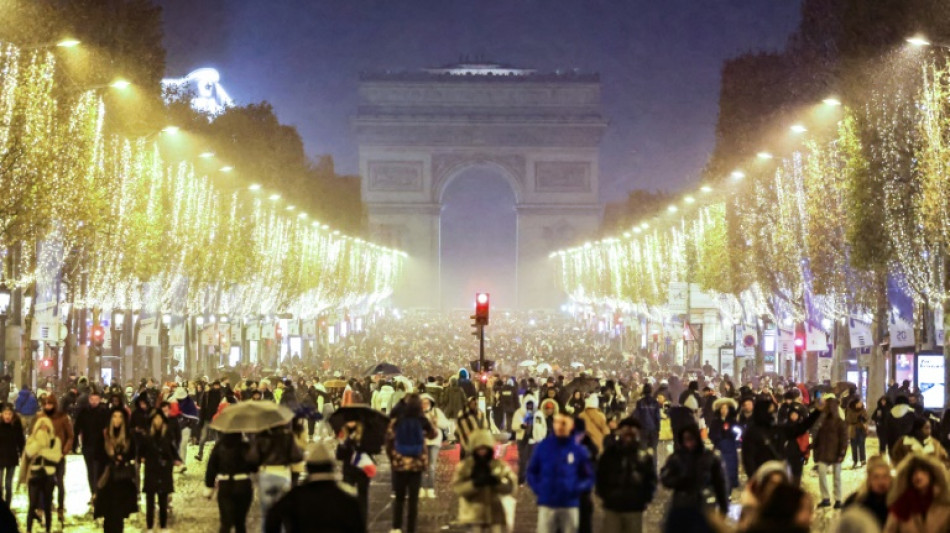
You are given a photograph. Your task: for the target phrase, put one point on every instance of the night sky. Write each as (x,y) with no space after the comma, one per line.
(659,61)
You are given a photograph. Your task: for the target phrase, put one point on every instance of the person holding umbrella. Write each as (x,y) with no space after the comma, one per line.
(230,467)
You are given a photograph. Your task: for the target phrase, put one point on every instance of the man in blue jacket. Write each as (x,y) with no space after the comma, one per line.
(559,472)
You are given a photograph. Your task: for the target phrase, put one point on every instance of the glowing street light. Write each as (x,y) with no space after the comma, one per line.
(831,101)
(171,130)
(644,225)
(918,40)
(637,229)
(226,168)
(274,197)
(672,209)
(764,155)
(706,188)
(68,43)
(254,187)
(689,199)
(120,84)
(290,208)
(737,174)
(206,155)
(798,128)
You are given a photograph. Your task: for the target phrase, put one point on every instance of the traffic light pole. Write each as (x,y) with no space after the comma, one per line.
(481,348)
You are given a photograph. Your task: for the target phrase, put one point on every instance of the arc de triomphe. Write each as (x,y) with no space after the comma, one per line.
(417,131)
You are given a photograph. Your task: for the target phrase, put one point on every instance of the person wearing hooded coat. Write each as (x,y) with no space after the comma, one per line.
(43,451)
(626,480)
(831,446)
(530,428)
(453,399)
(480,481)
(321,504)
(595,422)
(647,412)
(695,474)
(919,441)
(723,435)
(919,499)
(759,441)
(465,383)
(898,423)
(872,494)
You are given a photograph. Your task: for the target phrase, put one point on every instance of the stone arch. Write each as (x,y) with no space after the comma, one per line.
(447,167)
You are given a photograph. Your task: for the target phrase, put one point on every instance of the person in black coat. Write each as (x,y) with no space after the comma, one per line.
(319,496)
(724,434)
(695,474)
(626,476)
(117,496)
(12,441)
(161,457)
(230,467)
(206,411)
(879,417)
(899,422)
(89,429)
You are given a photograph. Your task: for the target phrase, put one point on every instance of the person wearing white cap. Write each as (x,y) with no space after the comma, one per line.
(320,503)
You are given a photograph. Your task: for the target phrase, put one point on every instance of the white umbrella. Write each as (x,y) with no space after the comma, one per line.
(577,364)
(544,367)
(527,363)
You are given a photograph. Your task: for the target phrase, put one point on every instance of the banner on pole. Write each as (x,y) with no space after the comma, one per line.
(678,297)
(901,332)
(176,335)
(786,341)
(860,332)
(148,333)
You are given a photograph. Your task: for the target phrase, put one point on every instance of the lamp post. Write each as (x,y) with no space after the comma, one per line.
(4,307)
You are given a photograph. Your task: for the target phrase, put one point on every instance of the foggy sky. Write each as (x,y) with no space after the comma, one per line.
(659,60)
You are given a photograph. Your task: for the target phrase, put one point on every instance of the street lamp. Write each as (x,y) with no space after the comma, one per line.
(920,41)
(68,43)
(831,101)
(120,84)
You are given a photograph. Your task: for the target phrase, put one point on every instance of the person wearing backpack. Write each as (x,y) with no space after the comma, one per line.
(406,448)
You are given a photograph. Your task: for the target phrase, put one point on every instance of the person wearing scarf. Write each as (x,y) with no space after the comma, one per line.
(919,501)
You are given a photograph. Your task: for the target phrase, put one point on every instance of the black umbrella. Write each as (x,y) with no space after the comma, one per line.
(383,368)
(374,425)
(585,384)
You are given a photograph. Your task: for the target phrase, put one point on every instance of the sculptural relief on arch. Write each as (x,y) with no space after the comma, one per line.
(417,131)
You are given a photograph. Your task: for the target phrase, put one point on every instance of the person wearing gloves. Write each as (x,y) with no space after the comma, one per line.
(530,429)
(439,421)
(230,466)
(320,503)
(480,481)
(41,455)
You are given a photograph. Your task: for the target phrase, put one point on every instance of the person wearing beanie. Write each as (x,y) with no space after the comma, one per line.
(595,422)
(872,494)
(320,503)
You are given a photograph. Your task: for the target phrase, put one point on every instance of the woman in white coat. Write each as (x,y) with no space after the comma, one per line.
(441,423)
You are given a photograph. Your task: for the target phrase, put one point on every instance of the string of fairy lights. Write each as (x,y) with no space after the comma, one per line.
(140,232)
(774,237)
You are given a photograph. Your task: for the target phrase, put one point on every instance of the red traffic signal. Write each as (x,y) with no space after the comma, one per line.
(47,363)
(98,335)
(481,308)
(799,345)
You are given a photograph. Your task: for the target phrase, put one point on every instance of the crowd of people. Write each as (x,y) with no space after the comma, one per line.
(584,438)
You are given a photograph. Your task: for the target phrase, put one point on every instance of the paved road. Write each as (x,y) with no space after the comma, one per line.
(192,513)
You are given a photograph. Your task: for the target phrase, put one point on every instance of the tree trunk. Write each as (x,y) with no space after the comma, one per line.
(876,367)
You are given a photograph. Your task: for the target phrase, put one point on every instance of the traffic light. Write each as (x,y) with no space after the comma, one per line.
(98,335)
(47,364)
(799,345)
(481,308)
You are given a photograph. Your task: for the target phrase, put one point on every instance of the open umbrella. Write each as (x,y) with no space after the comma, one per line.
(577,364)
(527,363)
(585,384)
(544,367)
(383,368)
(251,417)
(374,425)
(335,384)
